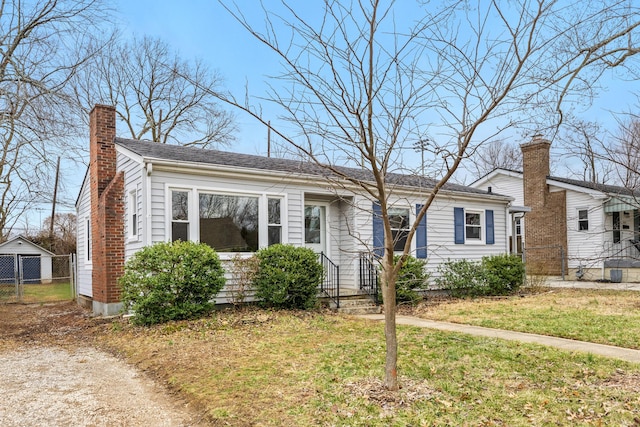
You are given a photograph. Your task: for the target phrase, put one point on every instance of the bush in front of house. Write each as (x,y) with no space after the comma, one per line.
(461,278)
(494,275)
(288,277)
(504,273)
(412,276)
(171,281)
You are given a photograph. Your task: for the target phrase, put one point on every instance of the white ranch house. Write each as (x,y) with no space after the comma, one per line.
(137,193)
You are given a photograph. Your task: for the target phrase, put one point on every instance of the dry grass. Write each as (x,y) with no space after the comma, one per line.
(261,368)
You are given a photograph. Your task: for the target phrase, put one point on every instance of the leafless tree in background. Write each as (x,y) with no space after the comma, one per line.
(497,154)
(43,44)
(583,144)
(624,152)
(158,96)
(360,85)
(63,241)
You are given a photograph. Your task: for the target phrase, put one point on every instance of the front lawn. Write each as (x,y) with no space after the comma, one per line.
(599,316)
(292,369)
(37,292)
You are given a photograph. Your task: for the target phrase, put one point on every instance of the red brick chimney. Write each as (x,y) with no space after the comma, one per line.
(107,211)
(546,224)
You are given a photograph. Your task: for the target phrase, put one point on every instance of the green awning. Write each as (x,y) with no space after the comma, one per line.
(621,204)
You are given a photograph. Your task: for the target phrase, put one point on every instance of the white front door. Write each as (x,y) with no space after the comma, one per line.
(315,227)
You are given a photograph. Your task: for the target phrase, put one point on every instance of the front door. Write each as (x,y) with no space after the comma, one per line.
(314,227)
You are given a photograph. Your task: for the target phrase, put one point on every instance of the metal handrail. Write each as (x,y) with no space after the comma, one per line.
(330,285)
(369,280)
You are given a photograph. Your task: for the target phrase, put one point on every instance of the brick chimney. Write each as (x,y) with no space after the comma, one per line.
(546,224)
(107,211)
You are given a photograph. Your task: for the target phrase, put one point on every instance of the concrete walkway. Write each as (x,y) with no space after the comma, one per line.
(557,282)
(626,354)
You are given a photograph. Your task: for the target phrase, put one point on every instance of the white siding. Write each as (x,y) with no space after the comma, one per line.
(505,185)
(585,247)
(440,228)
(502,183)
(83,212)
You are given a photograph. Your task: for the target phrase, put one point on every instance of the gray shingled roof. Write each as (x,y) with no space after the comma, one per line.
(604,188)
(608,189)
(153,150)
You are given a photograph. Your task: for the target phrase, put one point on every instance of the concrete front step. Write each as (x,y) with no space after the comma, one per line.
(353,302)
(362,309)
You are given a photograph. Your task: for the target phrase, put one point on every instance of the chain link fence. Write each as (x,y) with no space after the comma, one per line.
(32,279)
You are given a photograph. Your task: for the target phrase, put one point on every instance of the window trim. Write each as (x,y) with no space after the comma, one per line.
(169,212)
(406,229)
(194,212)
(270,224)
(579,220)
(88,241)
(481,226)
(133,215)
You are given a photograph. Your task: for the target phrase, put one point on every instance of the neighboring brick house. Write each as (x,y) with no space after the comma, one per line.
(137,193)
(574,226)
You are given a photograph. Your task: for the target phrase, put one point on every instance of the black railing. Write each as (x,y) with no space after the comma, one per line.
(330,285)
(369,276)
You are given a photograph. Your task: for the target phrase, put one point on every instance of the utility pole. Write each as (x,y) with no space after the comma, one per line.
(53,206)
(269,138)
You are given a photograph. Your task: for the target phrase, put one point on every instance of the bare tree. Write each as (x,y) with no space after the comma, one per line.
(63,240)
(624,152)
(43,45)
(158,96)
(583,144)
(497,154)
(360,86)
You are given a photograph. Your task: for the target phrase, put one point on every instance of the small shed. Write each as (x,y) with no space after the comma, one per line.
(24,259)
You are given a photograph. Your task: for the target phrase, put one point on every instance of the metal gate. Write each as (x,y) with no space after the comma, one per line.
(36,278)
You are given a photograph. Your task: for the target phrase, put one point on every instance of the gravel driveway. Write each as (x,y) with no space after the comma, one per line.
(46,382)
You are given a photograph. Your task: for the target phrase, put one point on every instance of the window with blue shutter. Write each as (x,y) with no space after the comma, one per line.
(458,220)
(488,215)
(378,230)
(421,235)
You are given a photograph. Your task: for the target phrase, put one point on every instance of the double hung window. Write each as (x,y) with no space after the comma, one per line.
(399,221)
(179,215)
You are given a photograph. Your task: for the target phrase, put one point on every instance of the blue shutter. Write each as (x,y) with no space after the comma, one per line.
(421,235)
(458,219)
(378,230)
(488,215)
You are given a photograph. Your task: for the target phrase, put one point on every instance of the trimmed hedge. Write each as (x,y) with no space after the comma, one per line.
(171,281)
(494,275)
(288,277)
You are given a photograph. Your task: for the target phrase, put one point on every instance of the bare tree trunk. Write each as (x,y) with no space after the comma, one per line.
(391,337)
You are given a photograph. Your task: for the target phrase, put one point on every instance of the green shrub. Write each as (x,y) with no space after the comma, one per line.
(288,277)
(461,278)
(171,281)
(494,275)
(412,276)
(504,273)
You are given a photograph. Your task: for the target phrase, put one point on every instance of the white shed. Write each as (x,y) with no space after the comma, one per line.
(24,259)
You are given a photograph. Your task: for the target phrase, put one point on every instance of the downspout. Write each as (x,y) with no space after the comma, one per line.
(506,229)
(147,203)
(604,219)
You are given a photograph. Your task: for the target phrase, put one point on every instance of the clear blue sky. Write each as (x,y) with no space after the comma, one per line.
(203,29)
